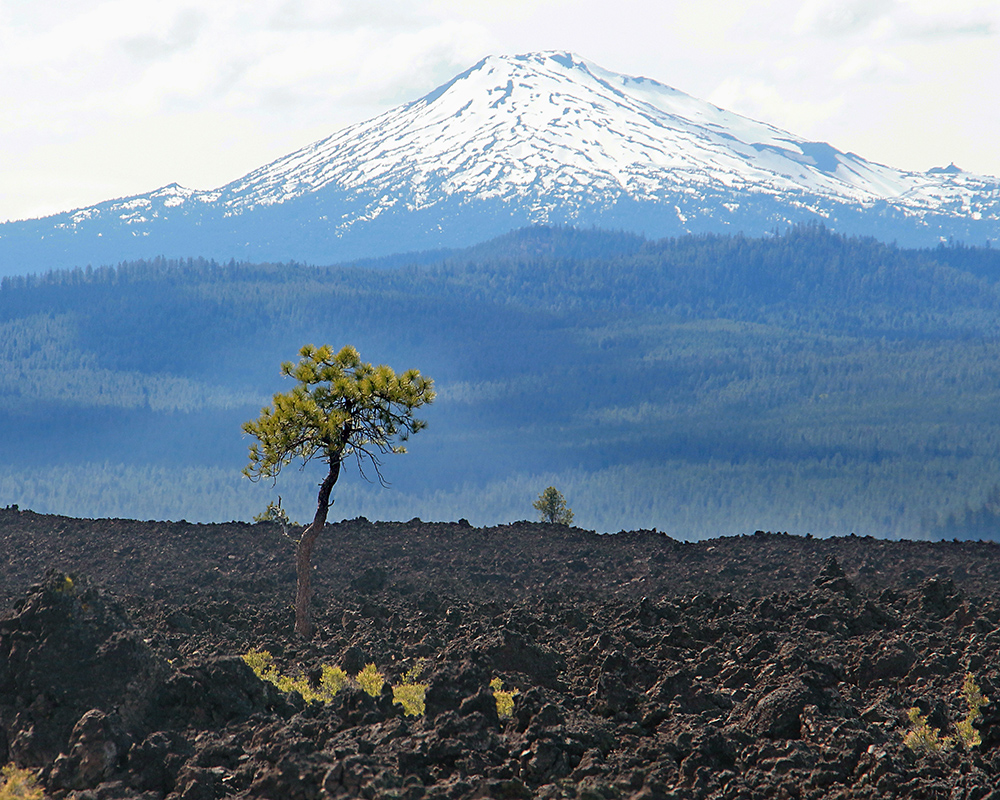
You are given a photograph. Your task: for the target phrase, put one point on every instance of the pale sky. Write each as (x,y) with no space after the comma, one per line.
(102,99)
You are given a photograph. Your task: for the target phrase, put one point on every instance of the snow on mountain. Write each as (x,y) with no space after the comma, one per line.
(536,138)
(554,125)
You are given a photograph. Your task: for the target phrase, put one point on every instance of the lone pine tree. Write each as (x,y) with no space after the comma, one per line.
(340,407)
(551,505)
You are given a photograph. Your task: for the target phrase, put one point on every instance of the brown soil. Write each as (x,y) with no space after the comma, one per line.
(758,666)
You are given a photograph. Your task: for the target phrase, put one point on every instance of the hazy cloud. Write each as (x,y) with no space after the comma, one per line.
(91,87)
(181,35)
(840,17)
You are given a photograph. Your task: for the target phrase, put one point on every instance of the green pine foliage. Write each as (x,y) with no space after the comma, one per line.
(551,506)
(275,513)
(504,698)
(331,681)
(924,739)
(371,680)
(410,693)
(340,407)
(411,697)
(975,701)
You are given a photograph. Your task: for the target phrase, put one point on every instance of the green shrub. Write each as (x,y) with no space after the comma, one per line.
(922,738)
(333,680)
(371,680)
(411,697)
(974,701)
(504,700)
(551,506)
(275,513)
(414,672)
(19,784)
(409,694)
(261,662)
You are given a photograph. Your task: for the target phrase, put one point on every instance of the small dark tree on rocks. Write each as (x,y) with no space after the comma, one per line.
(552,507)
(340,407)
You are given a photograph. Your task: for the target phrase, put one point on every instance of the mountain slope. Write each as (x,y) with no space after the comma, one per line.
(529,139)
(553,125)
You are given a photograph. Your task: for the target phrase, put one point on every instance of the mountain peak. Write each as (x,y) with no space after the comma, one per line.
(552,125)
(951,169)
(535,138)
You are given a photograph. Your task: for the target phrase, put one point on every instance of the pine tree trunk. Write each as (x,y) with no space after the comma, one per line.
(303,553)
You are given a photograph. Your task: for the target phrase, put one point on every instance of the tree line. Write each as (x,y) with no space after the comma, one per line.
(852,380)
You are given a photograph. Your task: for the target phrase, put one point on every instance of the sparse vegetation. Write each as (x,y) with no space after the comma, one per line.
(566,628)
(411,697)
(332,680)
(409,693)
(19,784)
(371,680)
(262,663)
(505,699)
(551,505)
(922,738)
(925,739)
(974,701)
(275,513)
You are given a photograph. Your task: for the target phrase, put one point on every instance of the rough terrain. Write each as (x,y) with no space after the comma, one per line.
(742,667)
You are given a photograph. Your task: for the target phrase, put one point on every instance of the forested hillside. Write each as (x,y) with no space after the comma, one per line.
(705,385)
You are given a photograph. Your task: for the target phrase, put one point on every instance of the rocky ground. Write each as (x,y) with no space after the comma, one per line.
(743,667)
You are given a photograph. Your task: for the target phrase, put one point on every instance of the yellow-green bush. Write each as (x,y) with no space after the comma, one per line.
(261,662)
(332,680)
(974,702)
(922,738)
(409,694)
(19,784)
(411,697)
(371,680)
(504,700)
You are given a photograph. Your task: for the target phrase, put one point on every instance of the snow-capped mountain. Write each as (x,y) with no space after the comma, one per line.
(515,140)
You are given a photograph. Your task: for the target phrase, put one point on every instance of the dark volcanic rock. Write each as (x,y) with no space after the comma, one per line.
(95,750)
(67,651)
(212,693)
(761,666)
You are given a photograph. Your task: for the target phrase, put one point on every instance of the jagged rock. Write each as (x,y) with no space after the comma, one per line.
(781,687)
(452,684)
(777,714)
(511,653)
(96,745)
(484,703)
(833,579)
(69,649)
(154,763)
(370,581)
(940,598)
(891,662)
(216,692)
